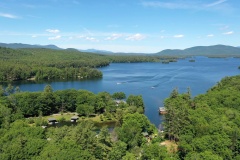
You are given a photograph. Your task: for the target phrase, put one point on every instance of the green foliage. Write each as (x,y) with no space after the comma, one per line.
(84,109)
(5,116)
(118,150)
(135,101)
(26,139)
(119,95)
(129,156)
(132,127)
(154,151)
(1,91)
(207,127)
(22,64)
(21,141)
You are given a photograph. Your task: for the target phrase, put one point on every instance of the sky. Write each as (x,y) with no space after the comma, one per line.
(136,26)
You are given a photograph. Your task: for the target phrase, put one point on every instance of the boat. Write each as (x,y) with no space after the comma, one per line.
(162,110)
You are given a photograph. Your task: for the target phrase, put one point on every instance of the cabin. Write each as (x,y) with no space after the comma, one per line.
(162,110)
(52,120)
(119,101)
(74,118)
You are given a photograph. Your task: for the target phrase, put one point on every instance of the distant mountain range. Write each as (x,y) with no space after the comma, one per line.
(216,50)
(21,45)
(96,51)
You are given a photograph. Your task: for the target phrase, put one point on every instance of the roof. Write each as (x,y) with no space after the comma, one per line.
(145,133)
(161,109)
(75,117)
(51,119)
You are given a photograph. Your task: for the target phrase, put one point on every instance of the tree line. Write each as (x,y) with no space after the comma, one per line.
(48,102)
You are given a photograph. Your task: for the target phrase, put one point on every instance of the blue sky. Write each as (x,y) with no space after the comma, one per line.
(145,26)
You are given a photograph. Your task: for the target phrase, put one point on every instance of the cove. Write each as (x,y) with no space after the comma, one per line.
(154,81)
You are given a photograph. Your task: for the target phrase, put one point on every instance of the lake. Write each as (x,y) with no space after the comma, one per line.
(154,81)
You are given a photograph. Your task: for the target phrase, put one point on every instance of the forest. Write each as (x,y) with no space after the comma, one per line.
(23,137)
(51,64)
(207,126)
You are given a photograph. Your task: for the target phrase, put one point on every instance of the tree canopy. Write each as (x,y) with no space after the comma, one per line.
(207,126)
(23,137)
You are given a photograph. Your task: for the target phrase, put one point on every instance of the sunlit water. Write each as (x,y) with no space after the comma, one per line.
(154,81)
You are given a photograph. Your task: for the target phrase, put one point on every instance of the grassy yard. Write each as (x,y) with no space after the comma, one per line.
(99,120)
(171,146)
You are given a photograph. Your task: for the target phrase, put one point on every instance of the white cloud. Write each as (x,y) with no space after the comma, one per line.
(34,36)
(224,27)
(228,33)
(52,30)
(162,37)
(92,39)
(178,36)
(135,37)
(216,3)
(6,15)
(88,31)
(219,5)
(114,37)
(210,35)
(55,38)
(80,36)
(170,5)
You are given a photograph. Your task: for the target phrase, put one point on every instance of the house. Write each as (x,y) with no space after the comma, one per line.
(52,120)
(74,118)
(145,134)
(119,101)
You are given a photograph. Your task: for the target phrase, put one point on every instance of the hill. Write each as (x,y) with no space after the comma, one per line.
(210,51)
(96,51)
(48,64)
(21,45)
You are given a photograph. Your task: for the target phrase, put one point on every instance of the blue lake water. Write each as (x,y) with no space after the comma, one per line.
(154,81)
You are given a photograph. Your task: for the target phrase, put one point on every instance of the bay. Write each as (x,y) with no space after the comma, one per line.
(154,81)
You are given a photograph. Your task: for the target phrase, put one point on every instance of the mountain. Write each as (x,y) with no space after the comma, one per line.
(21,45)
(216,50)
(96,51)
